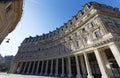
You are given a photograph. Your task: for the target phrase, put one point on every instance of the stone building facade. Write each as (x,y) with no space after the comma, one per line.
(87,46)
(10,14)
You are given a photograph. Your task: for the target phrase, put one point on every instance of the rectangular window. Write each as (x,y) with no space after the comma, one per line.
(83,30)
(54,33)
(77,44)
(75,34)
(97,34)
(69,38)
(92,24)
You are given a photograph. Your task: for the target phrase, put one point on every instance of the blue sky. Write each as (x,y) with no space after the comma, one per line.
(42,16)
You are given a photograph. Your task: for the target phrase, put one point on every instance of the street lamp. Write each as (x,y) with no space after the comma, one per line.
(7,40)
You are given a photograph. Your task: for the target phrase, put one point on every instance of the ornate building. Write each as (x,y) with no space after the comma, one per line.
(87,46)
(10,14)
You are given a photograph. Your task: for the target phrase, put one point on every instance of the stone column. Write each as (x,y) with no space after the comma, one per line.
(115,48)
(37,67)
(78,68)
(56,70)
(28,70)
(62,75)
(88,66)
(69,67)
(83,66)
(51,70)
(46,69)
(33,68)
(24,68)
(11,68)
(20,67)
(15,67)
(41,72)
(106,62)
(101,64)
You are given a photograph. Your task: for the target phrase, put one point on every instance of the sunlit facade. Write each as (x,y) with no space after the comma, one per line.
(87,46)
(10,14)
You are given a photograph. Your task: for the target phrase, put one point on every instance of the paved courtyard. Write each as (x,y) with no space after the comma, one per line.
(5,75)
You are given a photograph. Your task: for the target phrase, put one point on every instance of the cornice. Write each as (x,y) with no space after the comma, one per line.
(103,42)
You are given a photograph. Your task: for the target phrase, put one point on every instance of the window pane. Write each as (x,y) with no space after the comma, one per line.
(97,34)
(77,44)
